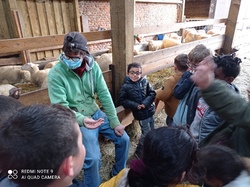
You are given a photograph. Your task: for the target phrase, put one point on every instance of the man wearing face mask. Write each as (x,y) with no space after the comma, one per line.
(74,82)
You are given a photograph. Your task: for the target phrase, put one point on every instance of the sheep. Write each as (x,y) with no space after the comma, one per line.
(50,64)
(13,75)
(170,42)
(10,90)
(154,45)
(37,76)
(104,60)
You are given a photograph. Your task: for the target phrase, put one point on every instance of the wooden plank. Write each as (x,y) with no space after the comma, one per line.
(35,97)
(4,31)
(76,16)
(10,61)
(43,24)
(25,57)
(33,21)
(16,45)
(231,25)
(10,5)
(65,17)
(71,16)
(160,29)
(85,23)
(58,18)
(125,115)
(157,60)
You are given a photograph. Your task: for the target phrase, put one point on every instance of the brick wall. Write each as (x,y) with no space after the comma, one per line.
(146,14)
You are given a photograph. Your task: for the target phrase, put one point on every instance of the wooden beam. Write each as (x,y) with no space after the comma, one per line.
(20,44)
(157,60)
(160,29)
(77,15)
(122,26)
(233,24)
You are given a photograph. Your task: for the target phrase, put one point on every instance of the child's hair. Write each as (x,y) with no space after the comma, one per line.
(180,62)
(198,53)
(37,137)
(167,153)
(229,63)
(133,65)
(216,162)
(8,106)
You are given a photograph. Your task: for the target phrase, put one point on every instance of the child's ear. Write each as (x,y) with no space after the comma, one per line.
(183,175)
(67,166)
(229,79)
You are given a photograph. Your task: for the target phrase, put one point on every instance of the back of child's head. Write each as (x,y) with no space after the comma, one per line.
(8,106)
(180,62)
(198,53)
(217,162)
(133,65)
(229,63)
(37,137)
(168,152)
(75,42)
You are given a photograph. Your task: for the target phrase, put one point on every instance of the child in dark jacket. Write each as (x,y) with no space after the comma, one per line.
(138,95)
(186,91)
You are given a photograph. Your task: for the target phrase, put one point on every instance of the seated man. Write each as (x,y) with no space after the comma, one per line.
(41,146)
(75,82)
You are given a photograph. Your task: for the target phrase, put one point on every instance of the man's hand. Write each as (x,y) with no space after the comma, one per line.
(119,130)
(91,123)
(204,74)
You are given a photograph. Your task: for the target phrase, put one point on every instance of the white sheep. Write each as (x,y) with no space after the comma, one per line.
(170,42)
(154,45)
(13,75)
(104,60)
(37,76)
(10,90)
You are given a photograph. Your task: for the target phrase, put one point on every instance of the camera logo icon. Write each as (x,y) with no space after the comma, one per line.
(12,174)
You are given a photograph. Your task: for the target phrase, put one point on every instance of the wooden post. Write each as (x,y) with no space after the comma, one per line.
(231,25)
(122,27)
(25,55)
(77,15)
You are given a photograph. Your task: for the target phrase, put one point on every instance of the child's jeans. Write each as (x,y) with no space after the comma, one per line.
(146,126)
(92,161)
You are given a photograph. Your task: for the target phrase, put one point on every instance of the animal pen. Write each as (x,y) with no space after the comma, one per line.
(33,31)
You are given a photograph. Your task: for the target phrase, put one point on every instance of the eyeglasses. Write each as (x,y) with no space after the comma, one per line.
(135,73)
(75,59)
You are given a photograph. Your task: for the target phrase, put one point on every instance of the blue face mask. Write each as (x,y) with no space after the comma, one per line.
(71,63)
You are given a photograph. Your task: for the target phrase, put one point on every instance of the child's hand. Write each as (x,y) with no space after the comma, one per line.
(139,107)
(143,106)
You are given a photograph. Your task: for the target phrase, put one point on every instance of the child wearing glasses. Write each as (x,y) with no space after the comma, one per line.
(138,95)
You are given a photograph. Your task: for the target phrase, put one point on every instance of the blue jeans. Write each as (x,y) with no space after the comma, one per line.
(92,161)
(146,126)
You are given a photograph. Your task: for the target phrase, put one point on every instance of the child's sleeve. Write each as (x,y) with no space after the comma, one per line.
(125,101)
(149,99)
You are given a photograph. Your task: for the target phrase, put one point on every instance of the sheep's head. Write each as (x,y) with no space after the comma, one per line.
(31,67)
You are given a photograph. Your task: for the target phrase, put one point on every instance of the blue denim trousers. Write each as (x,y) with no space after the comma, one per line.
(146,126)
(92,161)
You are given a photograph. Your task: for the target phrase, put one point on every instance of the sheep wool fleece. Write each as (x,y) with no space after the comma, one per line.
(65,87)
